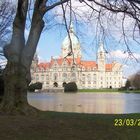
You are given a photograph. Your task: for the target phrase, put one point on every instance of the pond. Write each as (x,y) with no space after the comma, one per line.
(106,103)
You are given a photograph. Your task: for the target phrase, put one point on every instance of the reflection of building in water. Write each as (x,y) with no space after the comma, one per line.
(64,103)
(87,74)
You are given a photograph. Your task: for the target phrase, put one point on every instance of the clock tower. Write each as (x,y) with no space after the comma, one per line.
(101,57)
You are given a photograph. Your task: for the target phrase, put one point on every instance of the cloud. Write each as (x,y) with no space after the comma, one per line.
(80,11)
(121,54)
(41,59)
(112,23)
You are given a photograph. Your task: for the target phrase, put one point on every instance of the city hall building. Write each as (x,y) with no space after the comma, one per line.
(72,68)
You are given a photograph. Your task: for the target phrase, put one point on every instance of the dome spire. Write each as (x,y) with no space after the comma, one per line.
(101,47)
(71,29)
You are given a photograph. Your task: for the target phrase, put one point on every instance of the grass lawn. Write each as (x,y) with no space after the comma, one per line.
(67,126)
(98,90)
(109,90)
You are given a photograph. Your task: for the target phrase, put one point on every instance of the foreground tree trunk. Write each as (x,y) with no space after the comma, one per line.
(20,53)
(16,78)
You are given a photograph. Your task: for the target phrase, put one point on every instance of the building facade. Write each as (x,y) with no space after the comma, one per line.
(70,67)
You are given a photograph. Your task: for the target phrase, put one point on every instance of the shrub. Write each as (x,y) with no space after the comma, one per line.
(127,84)
(33,87)
(70,87)
(136,81)
(122,89)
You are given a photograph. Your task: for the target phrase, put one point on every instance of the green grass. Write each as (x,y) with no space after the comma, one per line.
(67,126)
(131,91)
(108,90)
(98,90)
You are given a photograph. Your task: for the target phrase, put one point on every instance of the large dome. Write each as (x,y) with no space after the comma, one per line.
(74,39)
(66,49)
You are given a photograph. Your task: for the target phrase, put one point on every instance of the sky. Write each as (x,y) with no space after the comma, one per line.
(90,34)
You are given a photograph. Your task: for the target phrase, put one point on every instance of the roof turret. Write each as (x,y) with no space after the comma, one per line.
(101,48)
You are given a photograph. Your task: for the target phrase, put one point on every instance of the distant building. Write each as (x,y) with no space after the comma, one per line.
(67,68)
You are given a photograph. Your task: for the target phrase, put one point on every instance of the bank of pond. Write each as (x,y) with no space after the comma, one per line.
(86,102)
(108,90)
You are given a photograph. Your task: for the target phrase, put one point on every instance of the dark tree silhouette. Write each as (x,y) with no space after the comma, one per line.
(135,80)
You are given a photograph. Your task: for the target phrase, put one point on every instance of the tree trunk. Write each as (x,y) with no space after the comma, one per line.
(19,54)
(16,78)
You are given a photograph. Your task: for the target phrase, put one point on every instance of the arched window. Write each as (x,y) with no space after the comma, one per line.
(55,84)
(64,75)
(55,76)
(73,76)
(73,68)
(64,83)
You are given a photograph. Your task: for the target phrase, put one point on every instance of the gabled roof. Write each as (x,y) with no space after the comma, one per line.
(109,67)
(89,64)
(78,61)
(43,65)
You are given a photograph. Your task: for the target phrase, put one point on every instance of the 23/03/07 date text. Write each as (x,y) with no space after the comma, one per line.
(126,122)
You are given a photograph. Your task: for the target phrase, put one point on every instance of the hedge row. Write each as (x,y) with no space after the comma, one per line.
(70,87)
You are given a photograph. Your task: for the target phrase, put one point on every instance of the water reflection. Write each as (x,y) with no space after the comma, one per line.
(108,103)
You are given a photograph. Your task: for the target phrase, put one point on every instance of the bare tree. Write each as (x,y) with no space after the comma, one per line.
(19,54)
(7,11)
(127,8)
(134,80)
(102,11)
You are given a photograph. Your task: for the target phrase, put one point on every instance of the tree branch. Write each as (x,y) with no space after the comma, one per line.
(55,4)
(18,41)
